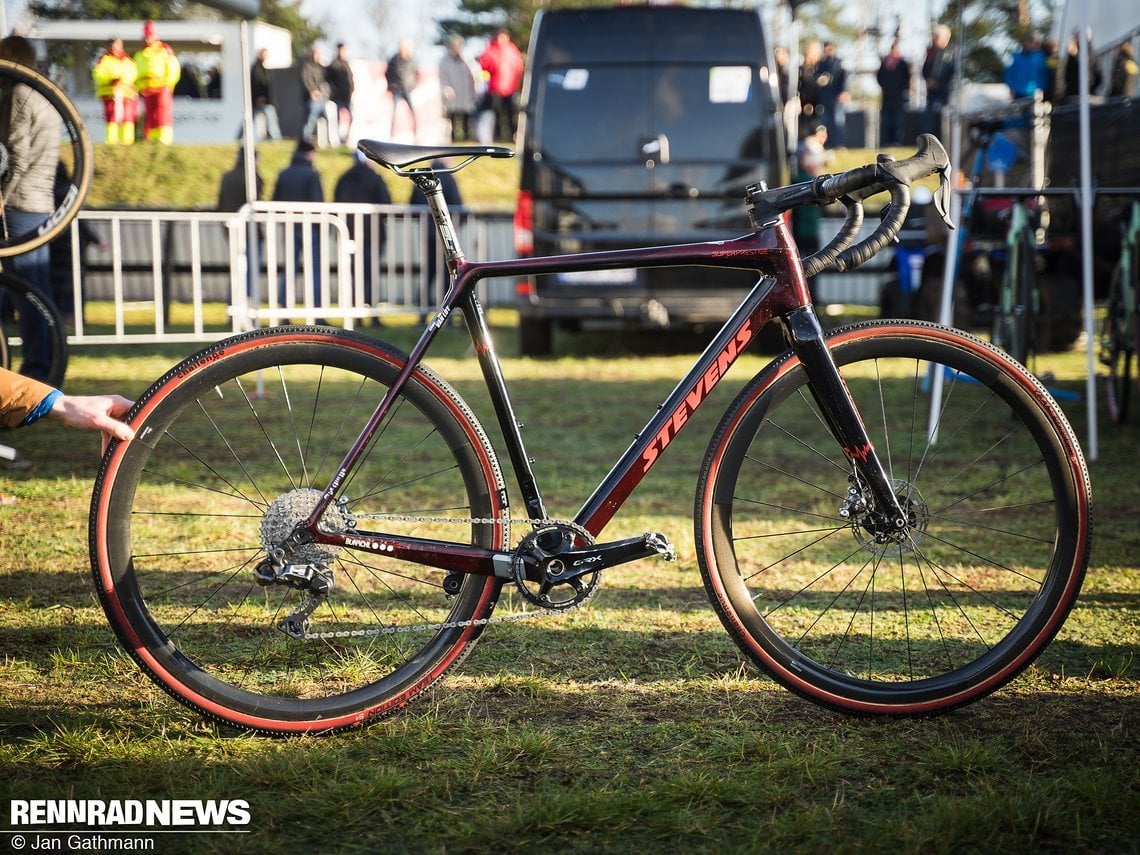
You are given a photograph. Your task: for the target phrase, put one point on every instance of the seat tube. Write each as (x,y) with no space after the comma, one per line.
(441,216)
(840,411)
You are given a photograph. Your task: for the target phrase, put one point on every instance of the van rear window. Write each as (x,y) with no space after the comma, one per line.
(607,112)
(642,34)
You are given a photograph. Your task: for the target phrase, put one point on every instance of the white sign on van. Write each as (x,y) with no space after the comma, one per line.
(572,79)
(730,84)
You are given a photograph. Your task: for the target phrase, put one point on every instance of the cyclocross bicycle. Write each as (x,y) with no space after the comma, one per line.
(312,527)
(1017,306)
(25,311)
(1120,337)
(1015,315)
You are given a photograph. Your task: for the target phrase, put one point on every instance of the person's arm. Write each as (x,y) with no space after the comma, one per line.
(24,401)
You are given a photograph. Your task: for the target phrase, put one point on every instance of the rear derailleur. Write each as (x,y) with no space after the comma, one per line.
(315,580)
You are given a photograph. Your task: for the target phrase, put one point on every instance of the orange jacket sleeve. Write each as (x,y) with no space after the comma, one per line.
(22,398)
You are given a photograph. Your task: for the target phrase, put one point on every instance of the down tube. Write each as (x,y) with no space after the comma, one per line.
(671,417)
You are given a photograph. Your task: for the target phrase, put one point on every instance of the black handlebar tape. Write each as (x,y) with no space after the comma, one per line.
(886,232)
(826,256)
(864,181)
(848,183)
(895,176)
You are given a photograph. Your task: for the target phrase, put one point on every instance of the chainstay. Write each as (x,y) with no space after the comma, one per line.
(474,520)
(453,624)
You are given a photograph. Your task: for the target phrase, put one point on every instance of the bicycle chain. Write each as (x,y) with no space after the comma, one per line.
(454,624)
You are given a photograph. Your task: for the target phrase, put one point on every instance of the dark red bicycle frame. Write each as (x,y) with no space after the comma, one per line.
(780,292)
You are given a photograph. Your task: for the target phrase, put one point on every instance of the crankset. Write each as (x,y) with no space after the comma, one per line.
(557,565)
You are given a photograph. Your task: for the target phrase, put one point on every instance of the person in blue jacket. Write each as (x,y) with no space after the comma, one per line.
(1027,71)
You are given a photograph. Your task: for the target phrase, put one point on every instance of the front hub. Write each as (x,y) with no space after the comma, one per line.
(883,533)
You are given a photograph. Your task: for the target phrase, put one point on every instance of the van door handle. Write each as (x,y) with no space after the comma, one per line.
(656,149)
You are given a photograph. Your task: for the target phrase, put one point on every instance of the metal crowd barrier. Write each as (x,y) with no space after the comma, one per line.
(272,262)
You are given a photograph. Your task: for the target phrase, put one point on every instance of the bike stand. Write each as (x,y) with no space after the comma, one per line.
(949,373)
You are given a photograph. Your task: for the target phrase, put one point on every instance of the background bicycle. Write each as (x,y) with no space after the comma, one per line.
(1120,336)
(33,336)
(1016,276)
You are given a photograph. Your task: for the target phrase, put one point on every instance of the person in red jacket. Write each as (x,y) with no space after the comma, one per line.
(502,65)
(158,72)
(114,77)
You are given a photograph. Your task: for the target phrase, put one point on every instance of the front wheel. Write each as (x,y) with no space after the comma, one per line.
(928,618)
(233,449)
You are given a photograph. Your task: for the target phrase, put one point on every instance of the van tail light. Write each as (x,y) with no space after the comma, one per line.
(524,224)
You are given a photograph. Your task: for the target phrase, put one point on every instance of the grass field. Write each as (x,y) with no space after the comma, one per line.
(631,725)
(187,176)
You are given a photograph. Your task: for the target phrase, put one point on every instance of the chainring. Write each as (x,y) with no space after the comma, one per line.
(543,546)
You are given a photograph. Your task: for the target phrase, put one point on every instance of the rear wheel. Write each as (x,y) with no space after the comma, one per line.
(908,622)
(234,447)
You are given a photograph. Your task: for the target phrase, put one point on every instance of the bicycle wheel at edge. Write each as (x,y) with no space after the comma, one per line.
(232,449)
(75,144)
(17,297)
(1118,347)
(1015,330)
(987,572)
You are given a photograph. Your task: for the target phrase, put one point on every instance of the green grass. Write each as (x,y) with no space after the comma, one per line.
(628,726)
(187,176)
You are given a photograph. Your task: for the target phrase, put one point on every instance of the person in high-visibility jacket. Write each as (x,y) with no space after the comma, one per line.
(158,71)
(114,76)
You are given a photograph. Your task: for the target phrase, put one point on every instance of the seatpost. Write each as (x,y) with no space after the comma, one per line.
(432,189)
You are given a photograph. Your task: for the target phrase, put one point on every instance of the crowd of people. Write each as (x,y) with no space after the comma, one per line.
(822,92)
(819,102)
(150,76)
(479,95)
